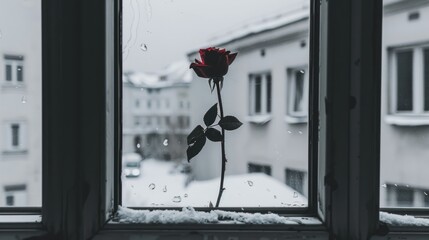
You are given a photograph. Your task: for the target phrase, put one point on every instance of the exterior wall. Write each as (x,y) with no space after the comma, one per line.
(20,26)
(404,148)
(276,143)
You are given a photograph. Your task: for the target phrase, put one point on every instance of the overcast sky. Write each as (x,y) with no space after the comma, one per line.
(158,32)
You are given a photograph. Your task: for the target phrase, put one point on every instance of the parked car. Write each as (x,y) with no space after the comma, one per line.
(131,164)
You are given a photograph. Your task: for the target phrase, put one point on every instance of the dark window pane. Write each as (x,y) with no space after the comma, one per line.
(405,81)
(258,93)
(8,73)
(15,135)
(10,200)
(426,76)
(19,73)
(299,91)
(295,180)
(405,197)
(256,168)
(268,93)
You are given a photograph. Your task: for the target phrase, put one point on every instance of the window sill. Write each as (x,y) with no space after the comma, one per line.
(259,119)
(15,152)
(295,119)
(407,120)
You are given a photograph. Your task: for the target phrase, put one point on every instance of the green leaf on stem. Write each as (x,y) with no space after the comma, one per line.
(195,134)
(195,147)
(230,123)
(210,115)
(213,135)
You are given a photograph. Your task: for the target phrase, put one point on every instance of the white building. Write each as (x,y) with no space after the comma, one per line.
(267,89)
(156,112)
(20,108)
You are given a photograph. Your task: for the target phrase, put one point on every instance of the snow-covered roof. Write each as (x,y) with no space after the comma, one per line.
(174,74)
(265,24)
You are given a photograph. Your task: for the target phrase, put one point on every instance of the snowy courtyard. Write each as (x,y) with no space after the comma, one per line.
(162,184)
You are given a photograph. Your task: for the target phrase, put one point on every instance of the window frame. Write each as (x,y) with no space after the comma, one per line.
(15,62)
(293,116)
(80,191)
(418,112)
(264,101)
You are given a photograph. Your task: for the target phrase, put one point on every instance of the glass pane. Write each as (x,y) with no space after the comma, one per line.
(161,39)
(426,78)
(20,108)
(258,93)
(405,80)
(404,181)
(299,88)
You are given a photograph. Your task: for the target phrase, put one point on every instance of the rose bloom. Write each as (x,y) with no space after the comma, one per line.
(214,62)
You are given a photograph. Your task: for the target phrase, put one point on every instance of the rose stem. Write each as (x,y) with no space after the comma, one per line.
(222,144)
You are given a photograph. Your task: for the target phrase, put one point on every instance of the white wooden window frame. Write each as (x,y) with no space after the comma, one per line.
(293,116)
(264,115)
(417,116)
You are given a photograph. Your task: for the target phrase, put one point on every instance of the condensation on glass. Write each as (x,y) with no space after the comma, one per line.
(404,179)
(267,88)
(20,108)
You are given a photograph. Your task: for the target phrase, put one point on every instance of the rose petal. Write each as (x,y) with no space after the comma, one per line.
(231,58)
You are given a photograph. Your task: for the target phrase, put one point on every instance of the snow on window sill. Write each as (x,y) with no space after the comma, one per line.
(259,119)
(403,221)
(189,215)
(407,120)
(295,119)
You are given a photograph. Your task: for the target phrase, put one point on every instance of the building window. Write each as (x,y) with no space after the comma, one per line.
(295,179)
(259,168)
(260,94)
(409,80)
(14,68)
(15,195)
(404,197)
(297,97)
(15,136)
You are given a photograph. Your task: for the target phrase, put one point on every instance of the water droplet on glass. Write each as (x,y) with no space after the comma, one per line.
(301,71)
(303,205)
(23,99)
(425,193)
(384,185)
(165,188)
(295,194)
(289,131)
(19,69)
(242,209)
(152,186)
(186,195)
(396,185)
(165,143)
(408,185)
(300,132)
(294,205)
(143,47)
(275,197)
(250,183)
(132,186)
(177,199)
(138,145)
(268,190)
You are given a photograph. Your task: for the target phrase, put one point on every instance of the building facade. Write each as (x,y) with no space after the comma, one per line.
(20,108)
(156,112)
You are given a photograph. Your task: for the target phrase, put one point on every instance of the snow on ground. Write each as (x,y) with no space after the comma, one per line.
(399,220)
(162,185)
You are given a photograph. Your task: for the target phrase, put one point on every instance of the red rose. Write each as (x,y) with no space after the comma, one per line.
(214,62)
